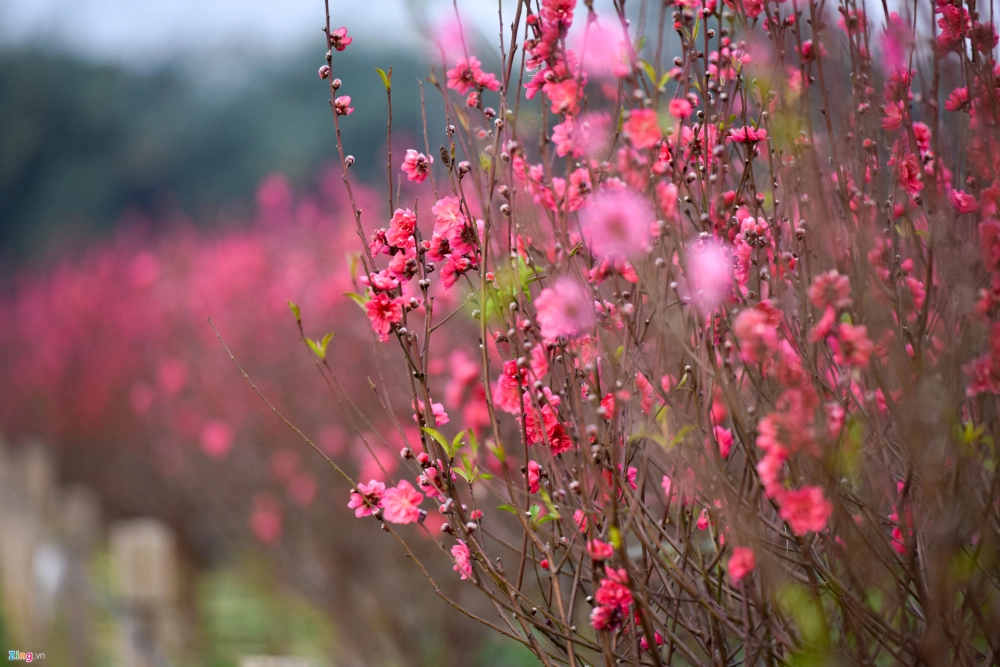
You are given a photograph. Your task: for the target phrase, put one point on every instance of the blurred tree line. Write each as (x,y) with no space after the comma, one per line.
(82,143)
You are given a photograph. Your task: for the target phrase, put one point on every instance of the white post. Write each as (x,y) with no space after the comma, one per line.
(144,558)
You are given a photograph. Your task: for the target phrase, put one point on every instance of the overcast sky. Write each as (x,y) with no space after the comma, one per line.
(149,32)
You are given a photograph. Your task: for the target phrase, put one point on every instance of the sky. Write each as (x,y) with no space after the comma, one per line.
(144,33)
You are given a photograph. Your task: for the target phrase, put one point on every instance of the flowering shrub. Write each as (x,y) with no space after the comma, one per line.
(724,385)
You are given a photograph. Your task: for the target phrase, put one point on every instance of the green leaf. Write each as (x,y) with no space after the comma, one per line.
(316,348)
(463,474)
(358,299)
(386,78)
(473,443)
(681,434)
(650,72)
(295,311)
(484,475)
(663,79)
(508,508)
(497,450)
(545,519)
(456,443)
(615,537)
(434,433)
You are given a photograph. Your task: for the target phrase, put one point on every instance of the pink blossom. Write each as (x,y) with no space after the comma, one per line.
(437,409)
(642,128)
(702,522)
(339,39)
(741,563)
(343,105)
(852,346)
(667,486)
(570,137)
(756,338)
(217,439)
(830,289)
(401,504)
(580,519)
(383,313)
(754,8)
(614,591)
(617,222)
(468,74)
(599,551)
(324,72)
(563,96)
(680,108)
(958,100)
(824,326)
(453,268)
(447,216)
(805,510)
(534,476)
(963,202)
(605,52)
(463,559)
(372,492)
(725,439)
(709,273)
(401,228)
(417,166)
(747,135)
(909,175)
(265,519)
(604,617)
(894,116)
(644,643)
(565,310)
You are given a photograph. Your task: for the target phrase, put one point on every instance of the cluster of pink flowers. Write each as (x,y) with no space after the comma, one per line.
(683,277)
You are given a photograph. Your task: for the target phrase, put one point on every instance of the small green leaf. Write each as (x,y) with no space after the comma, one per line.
(295,311)
(615,537)
(663,80)
(358,299)
(386,78)
(325,343)
(456,443)
(681,434)
(545,519)
(434,433)
(462,473)
(508,508)
(485,475)
(473,443)
(498,451)
(648,69)
(316,347)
